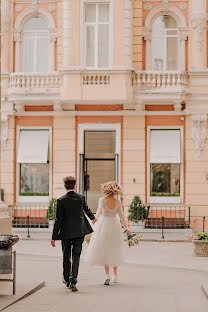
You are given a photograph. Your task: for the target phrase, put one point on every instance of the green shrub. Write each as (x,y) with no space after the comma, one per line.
(51,211)
(137,210)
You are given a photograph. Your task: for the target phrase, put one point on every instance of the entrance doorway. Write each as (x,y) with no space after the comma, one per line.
(98,164)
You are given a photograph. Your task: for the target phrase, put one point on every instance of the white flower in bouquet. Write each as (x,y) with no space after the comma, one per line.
(134,239)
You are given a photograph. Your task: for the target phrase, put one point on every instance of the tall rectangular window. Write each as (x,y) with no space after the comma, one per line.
(165,163)
(33,159)
(97,35)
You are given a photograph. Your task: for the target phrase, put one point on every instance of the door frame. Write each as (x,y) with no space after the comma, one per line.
(82,127)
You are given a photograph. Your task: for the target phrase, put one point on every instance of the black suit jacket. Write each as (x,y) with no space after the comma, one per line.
(70,220)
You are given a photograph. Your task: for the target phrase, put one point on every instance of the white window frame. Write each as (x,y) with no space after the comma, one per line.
(83,34)
(82,127)
(165,36)
(33,199)
(164,199)
(34,39)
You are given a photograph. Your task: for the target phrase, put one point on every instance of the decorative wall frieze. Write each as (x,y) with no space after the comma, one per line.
(18,8)
(199,133)
(199,26)
(6,110)
(51,7)
(183,5)
(147,6)
(34,4)
(58,106)
(19,107)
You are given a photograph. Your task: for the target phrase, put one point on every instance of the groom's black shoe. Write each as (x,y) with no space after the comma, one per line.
(74,287)
(67,284)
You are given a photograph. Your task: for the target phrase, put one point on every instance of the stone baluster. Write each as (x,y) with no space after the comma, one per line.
(168,80)
(163,80)
(173,80)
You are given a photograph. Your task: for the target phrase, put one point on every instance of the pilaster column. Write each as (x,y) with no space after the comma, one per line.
(5,22)
(52,40)
(183,38)
(128,33)
(67,13)
(147,34)
(18,58)
(198,36)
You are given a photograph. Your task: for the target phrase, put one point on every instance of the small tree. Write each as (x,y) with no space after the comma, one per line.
(137,210)
(51,211)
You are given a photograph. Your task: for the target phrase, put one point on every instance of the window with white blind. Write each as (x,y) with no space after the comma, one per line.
(165,164)
(165,43)
(33,164)
(96,35)
(35,45)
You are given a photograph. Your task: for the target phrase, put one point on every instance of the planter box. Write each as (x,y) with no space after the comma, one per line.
(200,248)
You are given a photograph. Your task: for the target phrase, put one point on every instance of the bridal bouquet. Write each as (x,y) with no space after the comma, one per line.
(134,239)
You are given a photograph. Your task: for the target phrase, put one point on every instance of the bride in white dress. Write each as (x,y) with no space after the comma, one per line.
(105,247)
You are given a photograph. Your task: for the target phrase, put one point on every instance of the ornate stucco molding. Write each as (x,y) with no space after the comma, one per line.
(57,106)
(198,132)
(6,110)
(147,33)
(199,25)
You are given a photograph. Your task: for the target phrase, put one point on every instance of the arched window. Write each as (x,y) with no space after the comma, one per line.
(165,43)
(35,45)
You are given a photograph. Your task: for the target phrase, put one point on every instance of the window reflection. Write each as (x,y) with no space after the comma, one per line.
(165,180)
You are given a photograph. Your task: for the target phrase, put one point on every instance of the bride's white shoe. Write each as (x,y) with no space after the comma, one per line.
(107,280)
(115,279)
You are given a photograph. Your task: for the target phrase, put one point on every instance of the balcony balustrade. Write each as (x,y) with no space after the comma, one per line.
(96,79)
(160,80)
(34,81)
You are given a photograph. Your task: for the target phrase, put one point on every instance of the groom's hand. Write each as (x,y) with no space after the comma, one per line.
(53,244)
(94,220)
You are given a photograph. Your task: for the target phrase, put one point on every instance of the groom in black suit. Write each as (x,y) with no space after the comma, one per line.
(71,226)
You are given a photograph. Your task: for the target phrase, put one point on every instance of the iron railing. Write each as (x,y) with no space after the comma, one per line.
(169,217)
(31,216)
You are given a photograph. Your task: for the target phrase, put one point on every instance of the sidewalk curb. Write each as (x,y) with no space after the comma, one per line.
(204,288)
(32,291)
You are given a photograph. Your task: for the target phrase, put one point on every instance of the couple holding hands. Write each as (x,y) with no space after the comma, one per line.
(71,226)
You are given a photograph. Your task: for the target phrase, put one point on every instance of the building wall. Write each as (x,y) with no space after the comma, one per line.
(196,182)
(137,34)
(133,158)
(8,164)
(63,152)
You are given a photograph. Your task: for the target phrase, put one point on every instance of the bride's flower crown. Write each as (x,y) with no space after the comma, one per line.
(111,188)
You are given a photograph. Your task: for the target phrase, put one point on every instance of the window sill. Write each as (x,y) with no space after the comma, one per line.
(165,200)
(32,199)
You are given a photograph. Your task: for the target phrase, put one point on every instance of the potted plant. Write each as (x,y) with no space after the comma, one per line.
(51,211)
(200,241)
(138,213)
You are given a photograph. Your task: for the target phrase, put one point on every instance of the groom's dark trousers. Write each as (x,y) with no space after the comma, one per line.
(71,226)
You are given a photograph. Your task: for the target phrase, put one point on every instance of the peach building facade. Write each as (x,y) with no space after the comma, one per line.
(105,90)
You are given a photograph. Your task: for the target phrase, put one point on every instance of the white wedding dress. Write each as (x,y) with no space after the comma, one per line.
(105,247)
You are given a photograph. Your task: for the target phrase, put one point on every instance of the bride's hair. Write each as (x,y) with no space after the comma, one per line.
(111,188)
